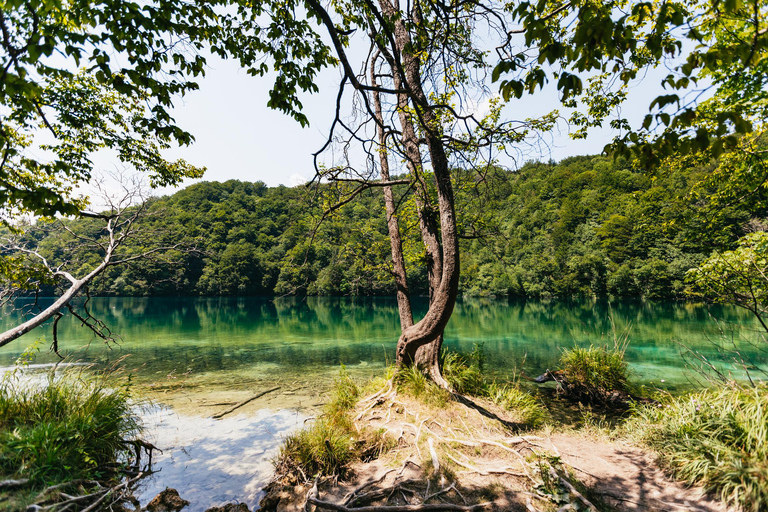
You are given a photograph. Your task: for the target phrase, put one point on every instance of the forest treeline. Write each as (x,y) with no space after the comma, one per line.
(586,226)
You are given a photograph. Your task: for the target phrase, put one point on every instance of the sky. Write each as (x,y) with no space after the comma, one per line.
(239,137)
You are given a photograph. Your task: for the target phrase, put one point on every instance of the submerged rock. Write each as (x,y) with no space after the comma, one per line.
(167,501)
(230,507)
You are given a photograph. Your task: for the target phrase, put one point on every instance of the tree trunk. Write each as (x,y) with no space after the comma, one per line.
(443,283)
(396,245)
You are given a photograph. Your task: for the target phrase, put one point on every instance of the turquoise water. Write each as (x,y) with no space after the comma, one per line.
(305,337)
(196,357)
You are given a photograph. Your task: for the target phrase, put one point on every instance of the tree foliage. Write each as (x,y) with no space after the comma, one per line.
(94,75)
(587,226)
(596,50)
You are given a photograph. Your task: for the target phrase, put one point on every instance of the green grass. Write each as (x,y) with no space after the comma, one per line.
(716,438)
(414,382)
(529,411)
(595,371)
(332,443)
(72,427)
(465,373)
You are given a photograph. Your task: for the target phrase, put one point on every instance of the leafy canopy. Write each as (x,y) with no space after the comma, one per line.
(104,74)
(595,50)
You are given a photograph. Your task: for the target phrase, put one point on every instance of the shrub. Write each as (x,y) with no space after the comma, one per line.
(68,428)
(717,438)
(595,371)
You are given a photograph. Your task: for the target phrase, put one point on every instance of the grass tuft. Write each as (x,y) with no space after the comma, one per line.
(717,438)
(414,382)
(529,411)
(595,371)
(333,442)
(68,428)
(465,373)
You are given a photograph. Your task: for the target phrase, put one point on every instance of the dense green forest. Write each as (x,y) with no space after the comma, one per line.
(587,226)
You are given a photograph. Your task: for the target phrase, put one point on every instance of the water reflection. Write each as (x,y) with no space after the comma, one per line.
(311,335)
(212,462)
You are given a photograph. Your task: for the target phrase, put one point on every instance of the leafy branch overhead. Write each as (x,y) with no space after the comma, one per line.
(596,50)
(95,75)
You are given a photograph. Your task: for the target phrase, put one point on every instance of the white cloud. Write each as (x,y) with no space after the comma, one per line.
(297,179)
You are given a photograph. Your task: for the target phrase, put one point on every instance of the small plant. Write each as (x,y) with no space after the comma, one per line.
(73,426)
(595,372)
(465,372)
(325,448)
(344,395)
(331,443)
(412,381)
(530,412)
(717,438)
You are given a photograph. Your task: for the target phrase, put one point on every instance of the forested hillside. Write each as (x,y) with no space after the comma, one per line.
(587,226)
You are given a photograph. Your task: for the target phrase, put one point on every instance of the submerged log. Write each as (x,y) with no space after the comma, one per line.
(616,398)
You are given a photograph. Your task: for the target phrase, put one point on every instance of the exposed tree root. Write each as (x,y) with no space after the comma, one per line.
(12,484)
(572,489)
(422,507)
(91,502)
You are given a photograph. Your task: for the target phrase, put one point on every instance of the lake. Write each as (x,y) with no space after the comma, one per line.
(295,338)
(197,356)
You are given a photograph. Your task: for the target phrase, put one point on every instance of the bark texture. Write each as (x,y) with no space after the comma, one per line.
(445,278)
(393,227)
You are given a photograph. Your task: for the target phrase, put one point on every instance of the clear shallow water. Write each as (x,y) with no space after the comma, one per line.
(213,462)
(308,338)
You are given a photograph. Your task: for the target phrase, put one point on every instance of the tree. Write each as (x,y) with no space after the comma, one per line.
(710,47)
(738,277)
(134,59)
(426,64)
(425,61)
(113,237)
(103,75)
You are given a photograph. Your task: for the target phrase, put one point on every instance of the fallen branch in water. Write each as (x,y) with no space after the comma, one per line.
(239,405)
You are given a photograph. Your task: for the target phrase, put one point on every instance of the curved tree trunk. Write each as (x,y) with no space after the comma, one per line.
(445,279)
(427,356)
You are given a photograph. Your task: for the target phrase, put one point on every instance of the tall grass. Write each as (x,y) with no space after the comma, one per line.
(70,427)
(414,382)
(595,371)
(466,374)
(717,438)
(528,410)
(332,442)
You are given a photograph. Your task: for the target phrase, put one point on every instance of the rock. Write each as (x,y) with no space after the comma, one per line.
(230,507)
(167,501)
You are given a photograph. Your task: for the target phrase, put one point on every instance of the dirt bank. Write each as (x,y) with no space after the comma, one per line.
(473,456)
